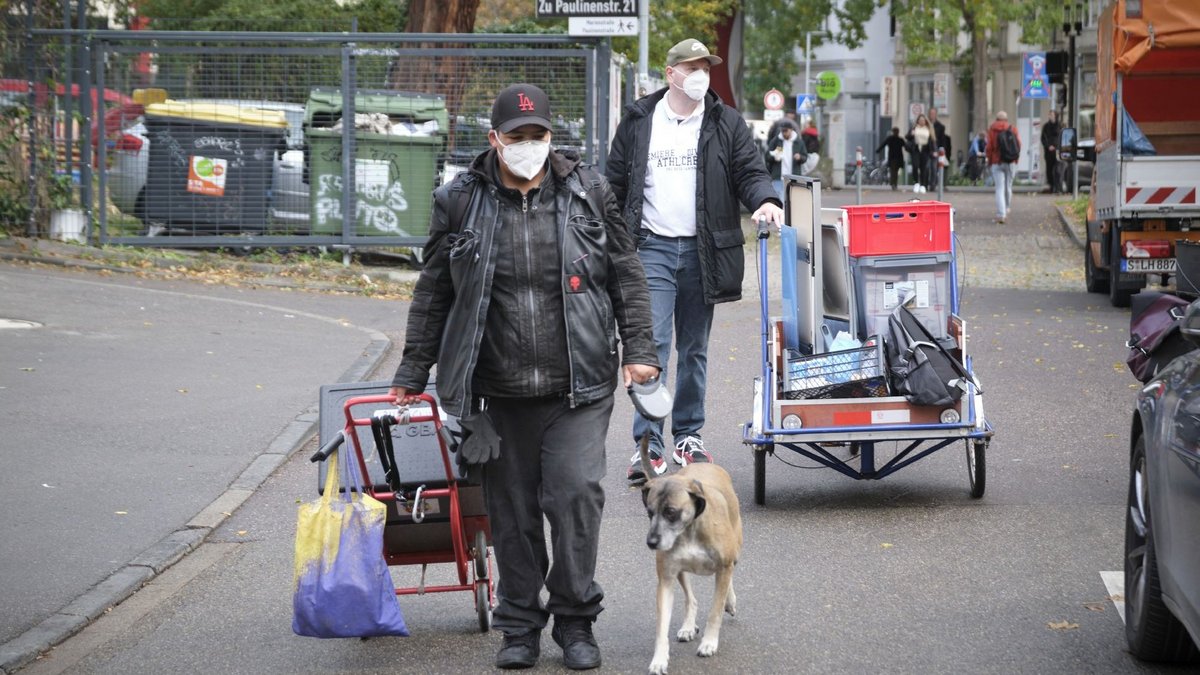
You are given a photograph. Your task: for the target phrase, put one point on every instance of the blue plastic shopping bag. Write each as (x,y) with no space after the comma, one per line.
(342,584)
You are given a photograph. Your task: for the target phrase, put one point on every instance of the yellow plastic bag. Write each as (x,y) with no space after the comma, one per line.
(342,587)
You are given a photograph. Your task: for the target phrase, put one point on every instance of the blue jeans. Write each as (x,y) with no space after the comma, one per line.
(1002,176)
(778,183)
(672,267)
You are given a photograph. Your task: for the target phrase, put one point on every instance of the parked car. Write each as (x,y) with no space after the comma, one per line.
(1162,518)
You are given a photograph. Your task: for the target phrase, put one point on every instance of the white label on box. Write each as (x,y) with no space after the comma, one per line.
(894,290)
(889,416)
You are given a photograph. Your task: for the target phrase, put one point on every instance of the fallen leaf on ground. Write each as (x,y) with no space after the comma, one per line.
(1062,625)
(1094,606)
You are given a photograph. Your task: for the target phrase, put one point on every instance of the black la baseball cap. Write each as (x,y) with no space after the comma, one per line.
(518,105)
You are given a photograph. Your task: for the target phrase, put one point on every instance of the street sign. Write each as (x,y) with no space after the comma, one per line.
(773,100)
(601,26)
(941,93)
(805,103)
(772,115)
(829,85)
(556,9)
(1034,83)
(889,96)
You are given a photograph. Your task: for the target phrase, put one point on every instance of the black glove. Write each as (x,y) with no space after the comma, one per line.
(480,443)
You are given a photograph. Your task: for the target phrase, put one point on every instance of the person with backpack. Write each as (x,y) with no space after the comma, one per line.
(530,277)
(1003,151)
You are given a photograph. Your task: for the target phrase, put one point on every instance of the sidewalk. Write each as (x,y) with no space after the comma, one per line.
(180,401)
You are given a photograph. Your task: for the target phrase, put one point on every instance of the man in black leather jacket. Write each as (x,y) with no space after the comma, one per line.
(680,163)
(519,304)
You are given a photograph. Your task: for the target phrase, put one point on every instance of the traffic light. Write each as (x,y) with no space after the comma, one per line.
(1056,66)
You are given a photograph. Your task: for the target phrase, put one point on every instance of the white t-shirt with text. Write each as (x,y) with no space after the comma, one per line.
(669,208)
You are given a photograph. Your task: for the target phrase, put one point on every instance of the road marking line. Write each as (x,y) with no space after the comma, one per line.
(1115,583)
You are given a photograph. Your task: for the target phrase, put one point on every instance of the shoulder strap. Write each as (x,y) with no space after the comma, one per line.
(462,193)
(590,180)
(925,337)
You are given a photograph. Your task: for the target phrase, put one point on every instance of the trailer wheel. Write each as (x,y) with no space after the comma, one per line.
(760,473)
(977,467)
(483,605)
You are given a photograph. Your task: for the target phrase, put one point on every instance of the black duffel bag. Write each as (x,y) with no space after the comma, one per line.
(920,367)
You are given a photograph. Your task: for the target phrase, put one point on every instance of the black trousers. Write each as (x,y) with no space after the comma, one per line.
(551,463)
(1053,176)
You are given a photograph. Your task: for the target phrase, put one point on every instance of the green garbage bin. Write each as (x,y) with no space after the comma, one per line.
(394,173)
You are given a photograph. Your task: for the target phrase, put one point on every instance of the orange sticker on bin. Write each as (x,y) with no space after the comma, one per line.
(206,175)
(897,229)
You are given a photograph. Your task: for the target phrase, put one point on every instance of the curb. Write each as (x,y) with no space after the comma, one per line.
(1069,227)
(66,622)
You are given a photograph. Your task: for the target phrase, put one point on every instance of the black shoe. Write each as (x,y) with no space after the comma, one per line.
(520,650)
(574,635)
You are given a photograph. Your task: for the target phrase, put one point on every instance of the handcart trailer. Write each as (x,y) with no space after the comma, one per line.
(432,518)
(862,419)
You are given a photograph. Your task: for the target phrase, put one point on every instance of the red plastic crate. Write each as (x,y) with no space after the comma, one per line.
(891,229)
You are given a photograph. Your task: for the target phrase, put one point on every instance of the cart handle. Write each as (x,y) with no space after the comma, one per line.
(329,447)
(764,230)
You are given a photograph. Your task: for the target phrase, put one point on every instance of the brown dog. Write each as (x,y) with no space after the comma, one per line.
(695,528)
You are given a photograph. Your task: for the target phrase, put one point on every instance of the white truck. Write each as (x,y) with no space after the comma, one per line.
(1144,200)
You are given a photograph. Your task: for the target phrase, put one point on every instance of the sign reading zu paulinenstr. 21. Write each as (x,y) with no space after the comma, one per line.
(549,9)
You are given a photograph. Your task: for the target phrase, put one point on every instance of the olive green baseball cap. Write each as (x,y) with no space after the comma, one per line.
(691,49)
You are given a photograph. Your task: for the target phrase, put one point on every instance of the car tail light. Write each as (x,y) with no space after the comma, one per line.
(129,143)
(1148,248)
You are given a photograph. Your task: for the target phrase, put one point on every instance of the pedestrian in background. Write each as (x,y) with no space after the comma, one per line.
(1050,131)
(894,145)
(812,145)
(519,305)
(785,154)
(680,163)
(1002,136)
(788,120)
(942,139)
(921,139)
(976,156)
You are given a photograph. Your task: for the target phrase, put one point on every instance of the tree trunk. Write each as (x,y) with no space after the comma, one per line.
(436,74)
(979,81)
(441,16)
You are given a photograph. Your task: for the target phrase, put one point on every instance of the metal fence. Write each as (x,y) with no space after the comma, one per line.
(249,147)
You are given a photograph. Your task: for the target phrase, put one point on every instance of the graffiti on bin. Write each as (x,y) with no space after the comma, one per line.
(179,157)
(227,145)
(378,202)
(182,158)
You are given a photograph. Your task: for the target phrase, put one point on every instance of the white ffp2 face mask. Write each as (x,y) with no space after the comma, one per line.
(695,85)
(526,158)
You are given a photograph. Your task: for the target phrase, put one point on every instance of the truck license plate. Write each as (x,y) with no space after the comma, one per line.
(1148,265)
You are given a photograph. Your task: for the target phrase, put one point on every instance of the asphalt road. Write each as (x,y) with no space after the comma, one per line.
(908,574)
